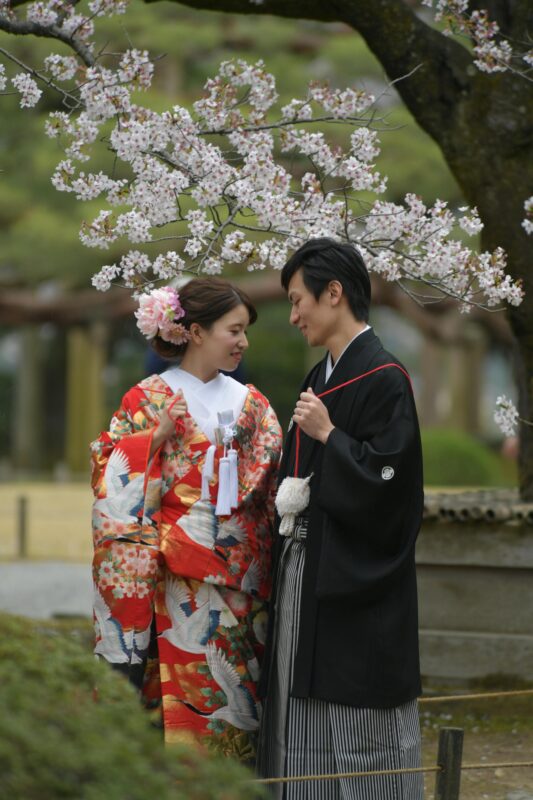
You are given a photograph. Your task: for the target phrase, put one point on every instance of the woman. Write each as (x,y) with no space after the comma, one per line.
(184,482)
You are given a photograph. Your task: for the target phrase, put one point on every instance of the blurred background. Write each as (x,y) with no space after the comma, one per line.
(68,353)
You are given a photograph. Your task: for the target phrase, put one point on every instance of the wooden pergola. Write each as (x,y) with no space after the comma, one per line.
(82,306)
(87,317)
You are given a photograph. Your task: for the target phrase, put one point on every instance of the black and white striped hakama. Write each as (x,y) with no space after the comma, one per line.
(310,737)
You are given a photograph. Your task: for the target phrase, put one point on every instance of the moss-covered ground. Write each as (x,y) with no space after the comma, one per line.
(73,729)
(495,731)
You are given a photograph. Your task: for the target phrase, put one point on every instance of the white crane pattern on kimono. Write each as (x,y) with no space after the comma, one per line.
(251,578)
(240,709)
(191,630)
(123,498)
(201,525)
(115,645)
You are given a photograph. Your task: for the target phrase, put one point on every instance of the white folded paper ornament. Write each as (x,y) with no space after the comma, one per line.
(228,467)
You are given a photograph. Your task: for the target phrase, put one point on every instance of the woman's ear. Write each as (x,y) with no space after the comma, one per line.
(197,333)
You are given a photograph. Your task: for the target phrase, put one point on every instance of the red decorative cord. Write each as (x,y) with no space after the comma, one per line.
(334,389)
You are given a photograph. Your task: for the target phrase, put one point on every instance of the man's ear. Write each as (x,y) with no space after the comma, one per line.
(335,292)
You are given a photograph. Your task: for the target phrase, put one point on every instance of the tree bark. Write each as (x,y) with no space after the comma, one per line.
(482,122)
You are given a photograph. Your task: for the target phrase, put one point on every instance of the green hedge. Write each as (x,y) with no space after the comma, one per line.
(60,740)
(453,458)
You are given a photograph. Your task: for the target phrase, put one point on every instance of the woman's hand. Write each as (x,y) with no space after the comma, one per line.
(170,414)
(312,416)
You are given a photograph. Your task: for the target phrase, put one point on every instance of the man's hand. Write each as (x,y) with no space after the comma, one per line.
(312,416)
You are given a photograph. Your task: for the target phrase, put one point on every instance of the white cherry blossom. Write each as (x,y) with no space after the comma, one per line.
(104,278)
(506,416)
(527,223)
(107,8)
(493,54)
(29,91)
(62,68)
(41,13)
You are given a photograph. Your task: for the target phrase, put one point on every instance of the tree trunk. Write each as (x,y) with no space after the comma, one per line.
(491,155)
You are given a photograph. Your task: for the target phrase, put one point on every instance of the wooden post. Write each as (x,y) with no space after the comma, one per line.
(85,392)
(28,413)
(432,391)
(466,363)
(449,758)
(22,527)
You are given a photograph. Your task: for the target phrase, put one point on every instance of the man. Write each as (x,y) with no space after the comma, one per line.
(341,673)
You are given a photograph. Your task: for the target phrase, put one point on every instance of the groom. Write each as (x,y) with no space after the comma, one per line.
(341,673)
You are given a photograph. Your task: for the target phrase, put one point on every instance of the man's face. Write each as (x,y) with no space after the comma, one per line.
(314,318)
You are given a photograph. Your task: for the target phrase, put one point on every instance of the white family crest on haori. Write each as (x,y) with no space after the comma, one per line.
(292,498)
(387,473)
(215,407)
(192,630)
(115,645)
(124,498)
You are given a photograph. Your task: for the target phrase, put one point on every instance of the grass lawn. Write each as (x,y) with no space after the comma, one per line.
(58,520)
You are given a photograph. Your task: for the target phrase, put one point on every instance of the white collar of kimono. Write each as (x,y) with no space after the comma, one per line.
(206,400)
(330,366)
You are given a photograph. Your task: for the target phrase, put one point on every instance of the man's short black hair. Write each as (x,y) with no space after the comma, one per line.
(324,260)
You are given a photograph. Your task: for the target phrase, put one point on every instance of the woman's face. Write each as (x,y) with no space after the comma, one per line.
(224,343)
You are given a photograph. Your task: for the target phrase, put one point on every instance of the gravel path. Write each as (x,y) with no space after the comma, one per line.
(42,589)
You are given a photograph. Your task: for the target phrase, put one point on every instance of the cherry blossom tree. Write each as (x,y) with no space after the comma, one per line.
(481,118)
(216,182)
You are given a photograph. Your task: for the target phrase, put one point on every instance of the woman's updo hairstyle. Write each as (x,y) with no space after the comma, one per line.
(204,300)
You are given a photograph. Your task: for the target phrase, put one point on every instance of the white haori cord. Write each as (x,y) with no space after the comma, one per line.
(292,498)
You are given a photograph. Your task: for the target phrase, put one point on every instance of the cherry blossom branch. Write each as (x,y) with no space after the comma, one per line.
(40,77)
(28,28)
(493,52)
(507,418)
(221,159)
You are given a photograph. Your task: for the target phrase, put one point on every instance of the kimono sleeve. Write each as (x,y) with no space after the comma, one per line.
(371,492)
(126,482)
(126,563)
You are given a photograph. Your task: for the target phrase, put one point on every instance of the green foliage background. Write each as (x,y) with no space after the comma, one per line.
(453,458)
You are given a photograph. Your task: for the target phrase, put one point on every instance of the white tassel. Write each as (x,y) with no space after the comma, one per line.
(208,471)
(292,498)
(223,498)
(233,478)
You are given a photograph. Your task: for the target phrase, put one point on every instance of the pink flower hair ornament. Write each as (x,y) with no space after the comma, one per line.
(158,315)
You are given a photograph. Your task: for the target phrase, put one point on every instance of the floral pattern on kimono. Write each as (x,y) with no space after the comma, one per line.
(165,563)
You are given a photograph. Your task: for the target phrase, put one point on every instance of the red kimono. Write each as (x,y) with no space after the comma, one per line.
(178,588)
